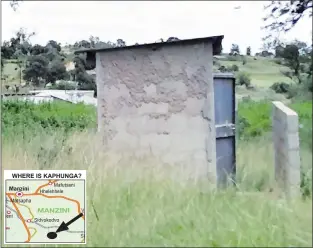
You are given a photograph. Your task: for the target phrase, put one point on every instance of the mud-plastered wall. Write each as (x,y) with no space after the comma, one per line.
(159,102)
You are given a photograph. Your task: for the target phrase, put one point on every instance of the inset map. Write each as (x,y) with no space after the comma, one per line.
(42,211)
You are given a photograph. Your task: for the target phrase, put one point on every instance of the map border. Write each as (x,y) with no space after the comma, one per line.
(40,243)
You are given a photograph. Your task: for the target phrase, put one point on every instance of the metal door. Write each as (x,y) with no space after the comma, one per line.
(225,116)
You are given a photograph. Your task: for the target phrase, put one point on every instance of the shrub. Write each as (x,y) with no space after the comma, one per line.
(243,78)
(301,91)
(278,61)
(306,183)
(222,69)
(280,87)
(234,67)
(25,118)
(63,85)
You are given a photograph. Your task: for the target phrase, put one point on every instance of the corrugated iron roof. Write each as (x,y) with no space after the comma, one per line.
(71,96)
(216,40)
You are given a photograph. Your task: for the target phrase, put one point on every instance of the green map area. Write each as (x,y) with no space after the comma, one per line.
(35,210)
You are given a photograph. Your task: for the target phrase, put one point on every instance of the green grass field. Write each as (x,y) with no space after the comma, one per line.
(264,71)
(136,201)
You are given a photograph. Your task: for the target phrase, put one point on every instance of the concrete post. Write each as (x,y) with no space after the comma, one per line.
(286,148)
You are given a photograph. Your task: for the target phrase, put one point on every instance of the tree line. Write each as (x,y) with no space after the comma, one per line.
(45,64)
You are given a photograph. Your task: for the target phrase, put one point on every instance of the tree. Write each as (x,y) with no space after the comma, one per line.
(85,81)
(170,39)
(18,45)
(283,16)
(279,51)
(22,35)
(7,50)
(305,56)
(22,41)
(96,43)
(52,55)
(248,51)
(120,43)
(234,49)
(36,69)
(80,63)
(56,71)
(38,49)
(53,45)
(303,48)
(291,57)
(93,41)
(25,48)
(267,46)
(102,44)
(297,55)
(53,51)
(82,44)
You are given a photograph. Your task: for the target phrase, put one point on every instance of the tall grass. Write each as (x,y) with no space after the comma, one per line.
(254,120)
(136,202)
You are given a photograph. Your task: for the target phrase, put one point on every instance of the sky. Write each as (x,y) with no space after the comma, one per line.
(144,22)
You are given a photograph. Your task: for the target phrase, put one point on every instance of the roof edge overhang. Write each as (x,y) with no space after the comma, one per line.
(215,40)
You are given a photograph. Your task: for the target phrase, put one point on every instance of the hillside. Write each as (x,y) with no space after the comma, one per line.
(263,72)
(11,72)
